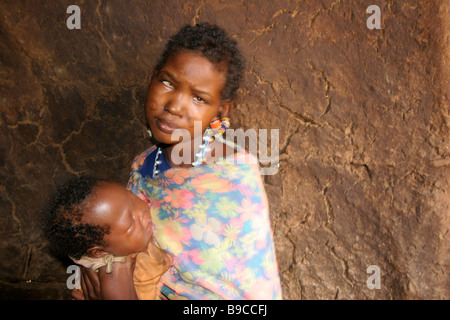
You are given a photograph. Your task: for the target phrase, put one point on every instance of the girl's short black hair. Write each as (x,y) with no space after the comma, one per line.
(62,219)
(214,44)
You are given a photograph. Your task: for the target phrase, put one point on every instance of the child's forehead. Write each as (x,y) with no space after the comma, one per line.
(196,71)
(109,189)
(109,200)
(192,58)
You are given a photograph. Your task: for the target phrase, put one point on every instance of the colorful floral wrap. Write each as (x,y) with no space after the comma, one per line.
(215,220)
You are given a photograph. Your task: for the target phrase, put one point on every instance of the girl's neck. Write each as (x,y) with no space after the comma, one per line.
(188,159)
(193,152)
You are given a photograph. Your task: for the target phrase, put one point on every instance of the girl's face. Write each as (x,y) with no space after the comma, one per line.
(186,89)
(127,216)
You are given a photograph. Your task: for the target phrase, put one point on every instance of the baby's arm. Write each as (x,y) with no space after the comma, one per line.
(118,285)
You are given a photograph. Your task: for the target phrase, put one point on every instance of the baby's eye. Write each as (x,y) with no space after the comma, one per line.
(131,225)
(199,99)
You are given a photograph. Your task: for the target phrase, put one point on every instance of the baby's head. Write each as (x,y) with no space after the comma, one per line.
(95,217)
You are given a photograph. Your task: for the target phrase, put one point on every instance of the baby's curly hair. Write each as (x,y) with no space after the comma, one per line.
(214,44)
(62,219)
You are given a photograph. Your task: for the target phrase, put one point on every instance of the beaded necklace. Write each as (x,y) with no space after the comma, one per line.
(157,161)
(215,131)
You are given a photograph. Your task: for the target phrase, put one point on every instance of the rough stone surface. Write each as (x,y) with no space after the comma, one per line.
(363,118)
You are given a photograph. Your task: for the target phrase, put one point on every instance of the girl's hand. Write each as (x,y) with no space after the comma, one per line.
(90,286)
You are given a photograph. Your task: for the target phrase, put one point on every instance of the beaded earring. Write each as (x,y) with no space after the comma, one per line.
(220,126)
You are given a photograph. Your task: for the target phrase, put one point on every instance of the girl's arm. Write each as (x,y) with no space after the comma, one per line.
(118,285)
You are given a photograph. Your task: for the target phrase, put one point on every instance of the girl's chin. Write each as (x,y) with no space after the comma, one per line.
(164,143)
(165,139)
(168,141)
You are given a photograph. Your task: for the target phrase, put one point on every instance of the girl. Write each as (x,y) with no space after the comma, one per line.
(210,211)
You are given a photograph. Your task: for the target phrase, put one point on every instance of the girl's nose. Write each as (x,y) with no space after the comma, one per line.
(176,104)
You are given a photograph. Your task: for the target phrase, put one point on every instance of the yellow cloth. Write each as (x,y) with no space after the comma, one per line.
(150,266)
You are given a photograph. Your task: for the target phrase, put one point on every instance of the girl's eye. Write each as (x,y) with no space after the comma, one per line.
(199,100)
(167,83)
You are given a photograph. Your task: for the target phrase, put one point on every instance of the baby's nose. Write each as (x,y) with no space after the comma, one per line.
(144,215)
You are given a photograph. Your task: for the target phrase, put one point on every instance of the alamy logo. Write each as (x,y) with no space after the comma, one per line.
(74,21)
(269,164)
(73,281)
(374,281)
(374,21)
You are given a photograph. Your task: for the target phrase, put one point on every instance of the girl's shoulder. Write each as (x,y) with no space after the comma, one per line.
(140,159)
(224,151)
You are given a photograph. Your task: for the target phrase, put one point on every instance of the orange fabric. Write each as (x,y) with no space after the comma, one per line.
(149,268)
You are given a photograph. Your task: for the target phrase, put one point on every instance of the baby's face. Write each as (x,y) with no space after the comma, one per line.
(127,216)
(188,88)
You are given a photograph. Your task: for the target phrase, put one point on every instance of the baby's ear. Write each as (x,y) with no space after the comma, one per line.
(225,108)
(97,252)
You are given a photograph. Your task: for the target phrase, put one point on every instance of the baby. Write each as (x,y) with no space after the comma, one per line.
(103,226)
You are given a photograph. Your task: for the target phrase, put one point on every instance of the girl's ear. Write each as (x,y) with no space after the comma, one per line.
(225,108)
(97,252)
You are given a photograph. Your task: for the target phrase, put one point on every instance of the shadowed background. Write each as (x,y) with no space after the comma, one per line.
(363,119)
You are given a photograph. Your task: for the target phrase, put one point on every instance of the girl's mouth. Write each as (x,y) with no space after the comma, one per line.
(166,126)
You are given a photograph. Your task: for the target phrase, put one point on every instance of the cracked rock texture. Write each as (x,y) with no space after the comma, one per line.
(363,118)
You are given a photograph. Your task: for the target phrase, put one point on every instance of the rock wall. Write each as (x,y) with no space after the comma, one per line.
(363,119)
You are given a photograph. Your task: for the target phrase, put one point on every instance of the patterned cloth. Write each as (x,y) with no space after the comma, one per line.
(215,220)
